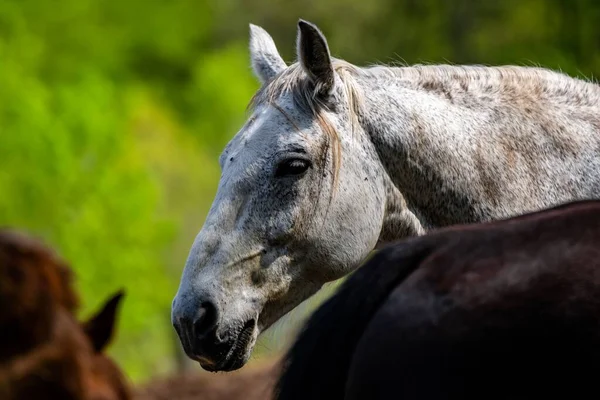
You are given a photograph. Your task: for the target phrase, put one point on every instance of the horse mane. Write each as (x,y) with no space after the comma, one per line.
(535,81)
(516,81)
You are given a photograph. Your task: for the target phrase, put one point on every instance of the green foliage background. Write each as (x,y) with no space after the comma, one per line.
(113,114)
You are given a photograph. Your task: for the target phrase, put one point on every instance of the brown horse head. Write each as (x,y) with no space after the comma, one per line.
(104,380)
(44,351)
(71,365)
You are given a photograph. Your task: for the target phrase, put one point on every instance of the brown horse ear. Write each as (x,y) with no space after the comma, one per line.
(100,327)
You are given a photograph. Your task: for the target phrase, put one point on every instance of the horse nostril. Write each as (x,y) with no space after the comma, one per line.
(206,319)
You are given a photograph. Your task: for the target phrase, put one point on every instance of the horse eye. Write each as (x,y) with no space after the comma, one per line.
(294,166)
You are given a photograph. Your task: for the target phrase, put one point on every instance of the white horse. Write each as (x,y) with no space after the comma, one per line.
(335,159)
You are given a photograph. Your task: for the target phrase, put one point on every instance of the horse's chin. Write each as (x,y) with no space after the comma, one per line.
(240,352)
(229,364)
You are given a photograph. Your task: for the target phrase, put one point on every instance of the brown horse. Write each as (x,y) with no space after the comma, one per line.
(250,383)
(45,353)
(501,310)
(35,282)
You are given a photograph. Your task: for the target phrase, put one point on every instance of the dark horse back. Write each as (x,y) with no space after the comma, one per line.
(502,310)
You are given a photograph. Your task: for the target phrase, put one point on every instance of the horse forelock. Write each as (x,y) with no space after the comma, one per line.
(293,81)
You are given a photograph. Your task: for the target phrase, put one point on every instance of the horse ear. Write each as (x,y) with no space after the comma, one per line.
(313,54)
(266,61)
(100,327)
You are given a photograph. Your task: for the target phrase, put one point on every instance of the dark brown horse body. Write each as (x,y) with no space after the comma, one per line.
(501,310)
(45,353)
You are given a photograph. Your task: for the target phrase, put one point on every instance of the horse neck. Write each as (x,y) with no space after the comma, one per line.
(413,131)
(444,134)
